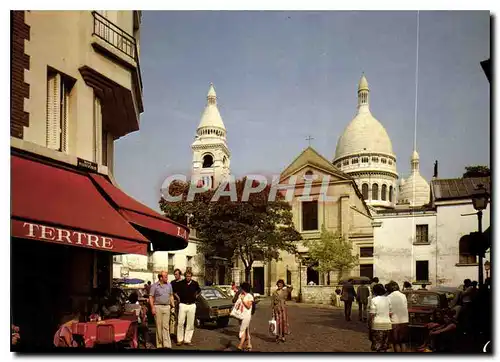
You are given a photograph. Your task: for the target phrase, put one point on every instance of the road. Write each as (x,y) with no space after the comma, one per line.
(313,329)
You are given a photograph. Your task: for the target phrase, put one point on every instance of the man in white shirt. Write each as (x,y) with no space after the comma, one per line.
(399,318)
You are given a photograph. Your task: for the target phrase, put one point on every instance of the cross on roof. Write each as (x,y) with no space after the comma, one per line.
(309,138)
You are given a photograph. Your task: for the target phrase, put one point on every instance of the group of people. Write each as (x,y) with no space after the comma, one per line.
(385,309)
(173,305)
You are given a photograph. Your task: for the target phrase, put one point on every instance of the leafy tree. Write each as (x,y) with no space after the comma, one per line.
(477,171)
(332,252)
(256,229)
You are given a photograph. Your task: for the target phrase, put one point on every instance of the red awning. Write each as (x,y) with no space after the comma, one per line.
(63,206)
(164,233)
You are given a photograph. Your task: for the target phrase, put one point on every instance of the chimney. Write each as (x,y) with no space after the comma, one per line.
(435,170)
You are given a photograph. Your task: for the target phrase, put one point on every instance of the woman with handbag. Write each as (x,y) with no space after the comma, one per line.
(242,311)
(280,313)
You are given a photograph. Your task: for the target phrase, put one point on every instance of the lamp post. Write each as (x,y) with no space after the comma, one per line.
(480,200)
(487,267)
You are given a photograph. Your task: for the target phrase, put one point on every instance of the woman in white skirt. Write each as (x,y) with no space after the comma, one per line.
(247,299)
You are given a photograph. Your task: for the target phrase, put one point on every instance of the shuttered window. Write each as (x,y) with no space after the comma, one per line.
(310,215)
(97,142)
(57,122)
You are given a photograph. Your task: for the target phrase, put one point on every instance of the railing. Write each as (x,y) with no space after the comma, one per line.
(117,38)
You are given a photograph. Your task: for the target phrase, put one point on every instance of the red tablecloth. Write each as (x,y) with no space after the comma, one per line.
(121,327)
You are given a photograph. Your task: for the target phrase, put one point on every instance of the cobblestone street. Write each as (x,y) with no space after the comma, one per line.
(313,329)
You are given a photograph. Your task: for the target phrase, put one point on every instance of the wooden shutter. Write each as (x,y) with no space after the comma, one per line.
(64,117)
(97,130)
(54,111)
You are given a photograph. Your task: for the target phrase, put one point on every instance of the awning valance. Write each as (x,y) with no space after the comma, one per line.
(165,234)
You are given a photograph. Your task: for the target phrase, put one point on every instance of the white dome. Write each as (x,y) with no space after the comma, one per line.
(422,190)
(211,116)
(415,189)
(364,134)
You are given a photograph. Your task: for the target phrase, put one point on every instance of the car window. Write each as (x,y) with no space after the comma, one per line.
(210,294)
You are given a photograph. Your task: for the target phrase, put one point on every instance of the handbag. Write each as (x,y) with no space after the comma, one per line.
(272,327)
(237,311)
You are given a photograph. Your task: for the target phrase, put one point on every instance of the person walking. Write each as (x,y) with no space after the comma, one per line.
(374,282)
(348,296)
(280,311)
(362,295)
(380,320)
(174,312)
(161,299)
(188,291)
(247,299)
(400,332)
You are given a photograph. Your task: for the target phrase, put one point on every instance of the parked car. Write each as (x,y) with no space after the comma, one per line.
(213,305)
(227,290)
(424,304)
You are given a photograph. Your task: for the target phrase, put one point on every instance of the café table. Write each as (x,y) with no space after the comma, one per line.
(123,329)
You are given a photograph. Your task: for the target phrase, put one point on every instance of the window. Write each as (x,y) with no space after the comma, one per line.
(57,122)
(308,175)
(171,264)
(374,192)
(390,193)
(310,215)
(117,259)
(98,134)
(208,161)
(422,234)
(339,165)
(374,159)
(345,162)
(354,161)
(104,157)
(364,159)
(366,252)
(422,270)
(465,254)
(364,191)
(383,160)
(383,196)
(288,277)
(390,162)
(366,270)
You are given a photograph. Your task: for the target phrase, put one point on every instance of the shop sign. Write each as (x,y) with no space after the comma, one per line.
(89,165)
(63,236)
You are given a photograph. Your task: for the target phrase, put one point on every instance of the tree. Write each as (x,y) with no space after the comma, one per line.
(257,229)
(332,252)
(477,171)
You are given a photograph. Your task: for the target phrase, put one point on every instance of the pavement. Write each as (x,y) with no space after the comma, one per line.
(314,328)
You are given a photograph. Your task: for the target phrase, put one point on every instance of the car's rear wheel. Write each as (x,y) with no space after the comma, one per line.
(222,322)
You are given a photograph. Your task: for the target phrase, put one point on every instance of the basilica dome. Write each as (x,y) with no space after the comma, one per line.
(364,133)
(414,190)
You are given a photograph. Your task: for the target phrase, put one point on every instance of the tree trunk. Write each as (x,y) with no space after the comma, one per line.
(248,271)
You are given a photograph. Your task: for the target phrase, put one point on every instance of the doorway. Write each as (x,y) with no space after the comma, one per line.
(312,274)
(222,275)
(258,280)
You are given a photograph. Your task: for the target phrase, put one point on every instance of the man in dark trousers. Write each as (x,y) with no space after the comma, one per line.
(348,296)
(362,299)
(174,312)
(188,291)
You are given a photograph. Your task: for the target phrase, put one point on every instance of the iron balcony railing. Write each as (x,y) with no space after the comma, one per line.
(118,38)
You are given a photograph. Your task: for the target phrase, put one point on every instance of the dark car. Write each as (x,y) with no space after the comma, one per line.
(423,305)
(213,305)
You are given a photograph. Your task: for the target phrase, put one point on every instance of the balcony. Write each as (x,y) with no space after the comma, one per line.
(116,44)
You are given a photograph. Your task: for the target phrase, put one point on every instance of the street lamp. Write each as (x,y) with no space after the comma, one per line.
(487,267)
(480,199)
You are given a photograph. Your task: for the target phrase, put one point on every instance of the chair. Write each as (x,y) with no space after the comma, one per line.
(105,334)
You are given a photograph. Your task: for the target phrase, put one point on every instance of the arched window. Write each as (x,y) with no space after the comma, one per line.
(224,161)
(465,253)
(364,191)
(390,193)
(208,161)
(383,196)
(374,192)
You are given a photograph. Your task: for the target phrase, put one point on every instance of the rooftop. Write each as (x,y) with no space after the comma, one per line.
(458,188)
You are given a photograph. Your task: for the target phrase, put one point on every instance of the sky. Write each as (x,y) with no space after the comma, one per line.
(283,76)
